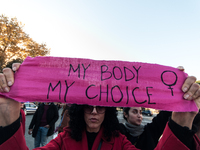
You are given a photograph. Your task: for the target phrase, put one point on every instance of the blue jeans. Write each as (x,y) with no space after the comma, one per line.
(41,137)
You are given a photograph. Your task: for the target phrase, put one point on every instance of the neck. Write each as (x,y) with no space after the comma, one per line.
(95,130)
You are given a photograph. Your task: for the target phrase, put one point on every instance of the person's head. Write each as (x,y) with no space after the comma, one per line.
(47,103)
(133,115)
(22,105)
(92,118)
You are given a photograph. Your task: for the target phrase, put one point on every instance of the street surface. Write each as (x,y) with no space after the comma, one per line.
(30,139)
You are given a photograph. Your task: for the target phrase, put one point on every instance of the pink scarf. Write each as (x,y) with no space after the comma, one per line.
(105,83)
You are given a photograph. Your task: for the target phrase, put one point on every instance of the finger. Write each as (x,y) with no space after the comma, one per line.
(197,101)
(1,90)
(15,66)
(188,83)
(2,80)
(181,68)
(9,75)
(3,84)
(197,93)
(192,92)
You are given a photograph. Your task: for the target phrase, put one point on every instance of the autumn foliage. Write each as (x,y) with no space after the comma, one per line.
(15,43)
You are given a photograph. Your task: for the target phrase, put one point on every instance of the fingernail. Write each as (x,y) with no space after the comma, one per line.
(14,68)
(9,83)
(6,89)
(186,96)
(181,67)
(184,89)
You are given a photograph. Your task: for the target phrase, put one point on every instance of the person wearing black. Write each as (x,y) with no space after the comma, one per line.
(196,123)
(43,123)
(139,134)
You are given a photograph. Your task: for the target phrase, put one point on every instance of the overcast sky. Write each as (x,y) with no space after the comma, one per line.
(164,32)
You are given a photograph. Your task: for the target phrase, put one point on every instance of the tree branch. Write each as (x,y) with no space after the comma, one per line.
(13,55)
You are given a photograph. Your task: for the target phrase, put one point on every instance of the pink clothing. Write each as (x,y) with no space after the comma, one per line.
(23,120)
(102,83)
(64,142)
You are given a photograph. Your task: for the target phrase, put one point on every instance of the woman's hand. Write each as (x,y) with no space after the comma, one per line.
(9,109)
(7,77)
(30,131)
(191,92)
(47,126)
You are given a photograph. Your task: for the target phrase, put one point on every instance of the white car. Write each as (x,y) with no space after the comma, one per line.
(30,108)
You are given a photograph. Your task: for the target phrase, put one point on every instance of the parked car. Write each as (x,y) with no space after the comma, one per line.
(147,112)
(30,108)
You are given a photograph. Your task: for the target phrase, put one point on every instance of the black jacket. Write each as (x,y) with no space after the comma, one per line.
(52,117)
(151,134)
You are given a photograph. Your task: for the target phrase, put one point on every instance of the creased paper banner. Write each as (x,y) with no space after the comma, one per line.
(105,83)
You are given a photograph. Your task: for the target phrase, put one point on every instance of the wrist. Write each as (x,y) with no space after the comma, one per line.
(9,111)
(9,130)
(184,119)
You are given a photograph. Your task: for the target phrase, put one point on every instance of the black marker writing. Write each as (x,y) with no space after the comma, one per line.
(50,86)
(172,83)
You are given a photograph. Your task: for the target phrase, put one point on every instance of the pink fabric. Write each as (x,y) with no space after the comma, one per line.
(106,83)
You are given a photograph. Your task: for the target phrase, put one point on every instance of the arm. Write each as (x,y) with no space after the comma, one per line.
(32,124)
(33,121)
(185,119)
(191,92)
(153,131)
(16,141)
(10,113)
(9,109)
(56,116)
(179,128)
(184,134)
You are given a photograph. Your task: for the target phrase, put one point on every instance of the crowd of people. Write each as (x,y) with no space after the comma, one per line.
(96,127)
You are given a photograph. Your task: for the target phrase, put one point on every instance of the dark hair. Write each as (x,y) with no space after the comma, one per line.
(77,123)
(125,110)
(66,107)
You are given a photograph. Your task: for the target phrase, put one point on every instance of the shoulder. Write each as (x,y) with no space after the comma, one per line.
(114,139)
(53,106)
(123,129)
(122,136)
(65,133)
(122,141)
(41,106)
(121,125)
(67,130)
(22,112)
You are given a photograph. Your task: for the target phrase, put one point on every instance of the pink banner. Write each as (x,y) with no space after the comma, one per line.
(105,83)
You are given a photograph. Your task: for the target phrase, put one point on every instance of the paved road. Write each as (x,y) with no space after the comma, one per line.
(30,139)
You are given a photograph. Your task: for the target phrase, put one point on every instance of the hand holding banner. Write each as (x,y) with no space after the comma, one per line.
(105,83)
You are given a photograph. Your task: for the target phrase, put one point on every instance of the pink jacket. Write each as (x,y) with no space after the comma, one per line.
(65,142)
(23,120)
